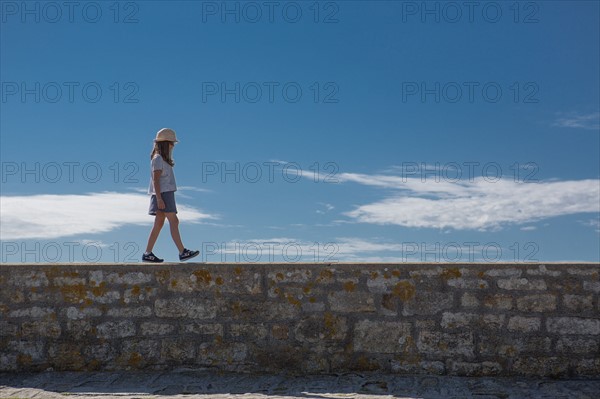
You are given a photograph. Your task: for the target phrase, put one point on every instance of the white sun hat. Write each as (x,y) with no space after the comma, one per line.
(166,134)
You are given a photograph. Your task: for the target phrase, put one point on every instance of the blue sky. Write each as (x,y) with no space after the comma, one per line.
(373,100)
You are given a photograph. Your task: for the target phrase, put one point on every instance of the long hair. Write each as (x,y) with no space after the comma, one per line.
(162,148)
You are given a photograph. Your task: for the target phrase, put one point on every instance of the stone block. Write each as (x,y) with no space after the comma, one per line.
(73,313)
(346,302)
(202,329)
(382,337)
(34,350)
(578,303)
(50,329)
(446,344)
(541,366)
(78,330)
(28,279)
(522,284)
(148,349)
(428,303)
(103,353)
(586,367)
(319,328)
(134,278)
(469,300)
(156,329)
(66,281)
(139,294)
(182,307)
(177,351)
(524,324)
(537,303)
(240,282)
(473,321)
(542,270)
(593,286)
(299,275)
(135,312)
(504,272)
(422,367)
(573,325)
(511,346)
(500,302)
(382,283)
(248,331)
(34,312)
(210,354)
(119,329)
(468,369)
(577,345)
(310,307)
(468,283)
(247,311)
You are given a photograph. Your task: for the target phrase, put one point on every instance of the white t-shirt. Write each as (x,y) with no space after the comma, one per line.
(167,177)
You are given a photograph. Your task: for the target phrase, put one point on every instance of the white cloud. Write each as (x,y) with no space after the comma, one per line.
(528,228)
(328,207)
(589,121)
(354,249)
(478,204)
(48,216)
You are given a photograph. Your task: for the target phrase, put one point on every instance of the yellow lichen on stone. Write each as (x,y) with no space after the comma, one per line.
(219,281)
(203,276)
(404,290)
(349,286)
(325,275)
(135,359)
(136,290)
(24,360)
(99,290)
(451,272)
(74,293)
(293,300)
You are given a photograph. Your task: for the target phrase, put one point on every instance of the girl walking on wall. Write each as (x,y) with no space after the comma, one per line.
(162,190)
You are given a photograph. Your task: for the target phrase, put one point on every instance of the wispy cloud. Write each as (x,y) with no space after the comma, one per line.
(328,207)
(594,223)
(590,121)
(52,216)
(528,228)
(478,204)
(352,249)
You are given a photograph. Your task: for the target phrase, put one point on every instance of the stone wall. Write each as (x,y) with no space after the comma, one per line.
(474,319)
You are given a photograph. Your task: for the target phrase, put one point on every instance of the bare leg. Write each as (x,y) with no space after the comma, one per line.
(174,225)
(159,221)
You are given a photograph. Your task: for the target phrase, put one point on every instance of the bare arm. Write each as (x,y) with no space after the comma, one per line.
(156,181)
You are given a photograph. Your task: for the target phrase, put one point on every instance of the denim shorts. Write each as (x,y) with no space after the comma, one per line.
(169,200)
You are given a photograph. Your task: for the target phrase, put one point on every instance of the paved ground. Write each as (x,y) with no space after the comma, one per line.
(206,385)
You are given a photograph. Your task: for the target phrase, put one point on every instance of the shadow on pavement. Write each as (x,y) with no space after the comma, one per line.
(194,382)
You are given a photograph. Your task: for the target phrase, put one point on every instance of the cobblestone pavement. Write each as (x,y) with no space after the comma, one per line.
(208,385)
